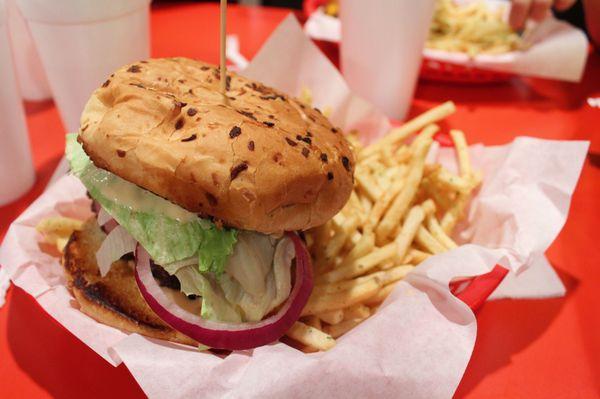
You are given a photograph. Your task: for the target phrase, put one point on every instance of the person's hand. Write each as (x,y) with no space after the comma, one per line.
(537,10)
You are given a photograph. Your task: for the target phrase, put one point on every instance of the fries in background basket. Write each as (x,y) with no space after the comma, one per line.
(401,212)
(332,8)
(57,230)
(474,29)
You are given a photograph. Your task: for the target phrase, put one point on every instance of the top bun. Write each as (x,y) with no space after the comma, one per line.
(263,161)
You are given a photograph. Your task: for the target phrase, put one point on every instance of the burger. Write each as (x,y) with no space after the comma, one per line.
(200,201)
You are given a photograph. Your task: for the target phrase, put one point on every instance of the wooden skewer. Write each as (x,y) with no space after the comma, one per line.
(222,36)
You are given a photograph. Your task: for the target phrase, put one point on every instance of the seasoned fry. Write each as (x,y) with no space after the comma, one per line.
(438,232)
(361,265)
(399,134)
(57,230)
(359,311)
(318,304)
(306,96)
(354,203)
(403,154)
(354,142)
(388,158)
(365,202)
(59,225)
(343,327)
(61,243)
(401,203)
(311,336)
(447,180)
(453,214)
(382,204)
(415,256)
(408,231)
(332,317)
(313,321)
(380,296)
(428,207)
(462,152)
(385,276)
(427,241)
(346,230)
(362,247)
(368,185)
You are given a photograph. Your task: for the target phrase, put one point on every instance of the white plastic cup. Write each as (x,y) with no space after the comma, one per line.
(30,72)
(81,42)
(17,174)
(381,49)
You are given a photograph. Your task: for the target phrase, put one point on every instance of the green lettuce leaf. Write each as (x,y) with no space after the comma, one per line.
(215,250)
(168,232)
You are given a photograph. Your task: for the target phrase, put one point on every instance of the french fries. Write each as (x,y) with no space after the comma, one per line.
(359,311)
(402,211)
(328,302)
(332,317)
(342,328)
(472,29)
(56,230)
(400,205)
(310,336)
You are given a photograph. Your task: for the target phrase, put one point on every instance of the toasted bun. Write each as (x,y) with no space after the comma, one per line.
(262,162)
(114,299)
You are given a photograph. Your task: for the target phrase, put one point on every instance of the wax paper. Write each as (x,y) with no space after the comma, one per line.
(418,343)
(556,49)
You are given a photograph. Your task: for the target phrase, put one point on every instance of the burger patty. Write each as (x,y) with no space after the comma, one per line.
(164,279)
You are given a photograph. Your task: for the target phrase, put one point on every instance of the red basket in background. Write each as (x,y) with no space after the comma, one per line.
(431,68)
(310,6)
(441,71)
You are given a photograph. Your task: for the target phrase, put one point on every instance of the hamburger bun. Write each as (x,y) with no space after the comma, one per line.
(114,299)
(263,161)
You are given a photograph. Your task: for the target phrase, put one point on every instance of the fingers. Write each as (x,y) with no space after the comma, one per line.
(518,13)
(563,5)
(539,9)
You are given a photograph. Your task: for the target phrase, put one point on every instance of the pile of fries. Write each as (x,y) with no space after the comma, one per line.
(472,29)
(401,212)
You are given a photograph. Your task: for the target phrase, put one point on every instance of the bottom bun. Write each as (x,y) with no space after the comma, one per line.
(114,299)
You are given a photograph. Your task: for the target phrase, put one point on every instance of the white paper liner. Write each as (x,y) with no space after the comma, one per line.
(419,342)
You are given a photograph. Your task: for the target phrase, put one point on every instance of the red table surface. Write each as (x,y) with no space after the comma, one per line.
(525,348)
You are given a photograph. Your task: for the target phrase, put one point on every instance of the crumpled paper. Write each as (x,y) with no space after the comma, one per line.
(418,343)
(557,49)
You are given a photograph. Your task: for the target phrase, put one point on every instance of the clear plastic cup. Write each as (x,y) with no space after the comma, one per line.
(81,42)
(17,174)
(30,72)
(381,49)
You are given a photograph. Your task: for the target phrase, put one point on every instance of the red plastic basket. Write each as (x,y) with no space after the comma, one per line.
(431,68)
(310,6)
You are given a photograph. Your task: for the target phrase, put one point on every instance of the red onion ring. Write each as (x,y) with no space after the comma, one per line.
(109,226)
(95,207)
(221,335)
